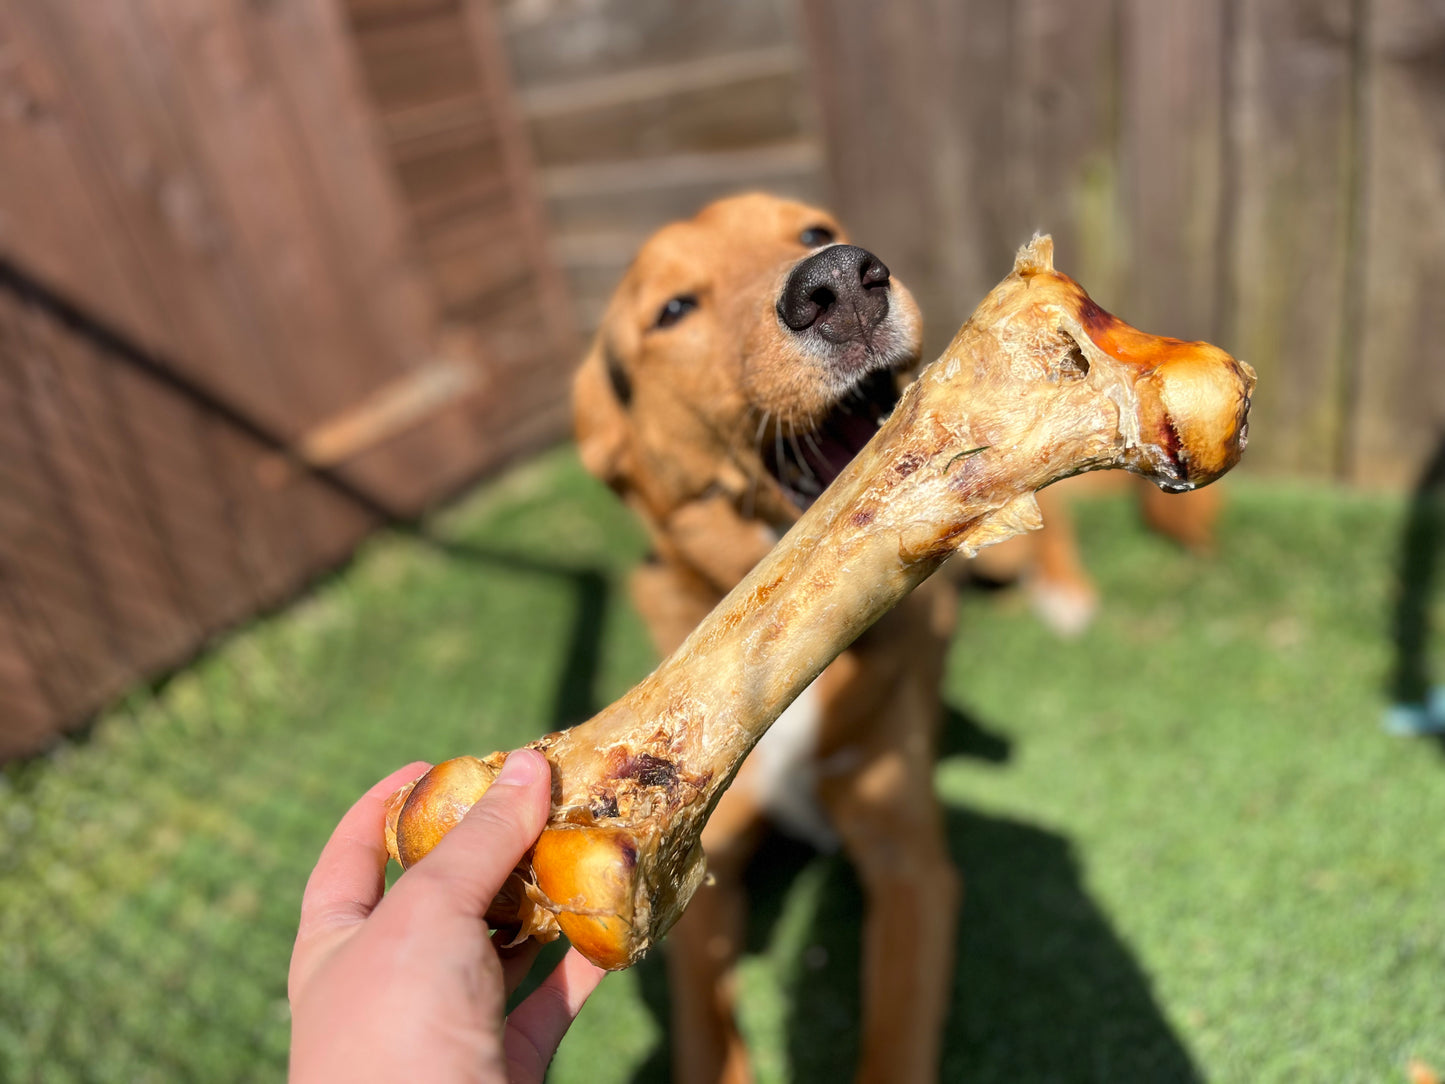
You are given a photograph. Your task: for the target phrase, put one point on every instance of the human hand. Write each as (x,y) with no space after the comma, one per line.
(410,986)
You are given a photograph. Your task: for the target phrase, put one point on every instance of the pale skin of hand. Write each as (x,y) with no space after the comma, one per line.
(409,987)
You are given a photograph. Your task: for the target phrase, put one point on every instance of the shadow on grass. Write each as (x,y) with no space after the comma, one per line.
(962,735)
(1044,988)
(1422,547)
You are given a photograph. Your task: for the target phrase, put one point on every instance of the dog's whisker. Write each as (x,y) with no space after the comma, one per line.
(797,451)
(750,499)
(756,467)
(813,444)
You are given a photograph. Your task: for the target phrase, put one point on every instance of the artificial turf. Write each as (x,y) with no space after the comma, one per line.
(1190,851)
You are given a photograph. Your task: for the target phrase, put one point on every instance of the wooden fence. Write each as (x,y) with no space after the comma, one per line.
(1267,174)
(270,274)
(273,273)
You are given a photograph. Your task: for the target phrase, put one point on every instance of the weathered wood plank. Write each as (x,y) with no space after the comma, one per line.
(1400,380)
(412,131)
(104,606)
(1062,164)
(94,465)
(472,265)
(359,201)
(219,86)
(417,61)
(915,120)
(370,12)
(374,240)
(1288,255)
(25,703)
(1172,139)
(245,130)
(726,103)
(551,40)
(635,198)
(462,167)
(158,200)
(463,170)
(53,216)
(553,309)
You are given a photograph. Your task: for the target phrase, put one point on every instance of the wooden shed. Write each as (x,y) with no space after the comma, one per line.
(270,275)
(273,273)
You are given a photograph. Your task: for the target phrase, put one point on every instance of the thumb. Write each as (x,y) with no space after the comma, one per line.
(475,858)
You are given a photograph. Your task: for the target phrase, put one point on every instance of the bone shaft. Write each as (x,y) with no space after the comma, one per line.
(819,589)
(750,679)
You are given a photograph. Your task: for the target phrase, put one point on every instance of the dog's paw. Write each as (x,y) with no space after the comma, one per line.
(1066,608)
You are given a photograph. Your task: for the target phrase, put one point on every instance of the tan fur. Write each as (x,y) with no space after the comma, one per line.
(685,454)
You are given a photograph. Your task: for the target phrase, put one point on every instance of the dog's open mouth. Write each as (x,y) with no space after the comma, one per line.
(805,461)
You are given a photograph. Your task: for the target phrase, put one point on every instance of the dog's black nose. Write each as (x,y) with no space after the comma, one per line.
(842,291)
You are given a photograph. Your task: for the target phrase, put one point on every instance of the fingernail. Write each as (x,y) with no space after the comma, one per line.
(521,769)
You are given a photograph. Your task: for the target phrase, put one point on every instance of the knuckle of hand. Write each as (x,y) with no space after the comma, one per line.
(500,825)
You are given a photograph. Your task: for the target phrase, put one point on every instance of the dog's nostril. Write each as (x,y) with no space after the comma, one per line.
(873,273)
(823,297)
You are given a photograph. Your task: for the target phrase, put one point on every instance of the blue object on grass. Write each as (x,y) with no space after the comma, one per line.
(1414,719)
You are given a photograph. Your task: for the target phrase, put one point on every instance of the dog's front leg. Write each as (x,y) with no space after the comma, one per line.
(703,949)
(892,829)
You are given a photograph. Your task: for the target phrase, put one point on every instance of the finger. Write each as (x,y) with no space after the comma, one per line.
(537,1025)
(517,961)
(349,877)
(476,857)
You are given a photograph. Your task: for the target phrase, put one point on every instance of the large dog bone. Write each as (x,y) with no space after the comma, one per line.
(1040,384)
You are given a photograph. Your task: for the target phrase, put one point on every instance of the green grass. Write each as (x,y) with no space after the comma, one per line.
(1191,854)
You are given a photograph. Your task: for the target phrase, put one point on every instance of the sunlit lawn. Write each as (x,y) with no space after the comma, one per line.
(1191,853)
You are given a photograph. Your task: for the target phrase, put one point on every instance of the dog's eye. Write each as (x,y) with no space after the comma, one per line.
(817,236)
(675,310)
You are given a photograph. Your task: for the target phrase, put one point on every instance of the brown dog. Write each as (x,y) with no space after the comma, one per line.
(747,355)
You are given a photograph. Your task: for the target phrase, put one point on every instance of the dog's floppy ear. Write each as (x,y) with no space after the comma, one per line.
(601,392)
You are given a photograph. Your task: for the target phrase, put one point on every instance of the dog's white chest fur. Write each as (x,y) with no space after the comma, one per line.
(785,772)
